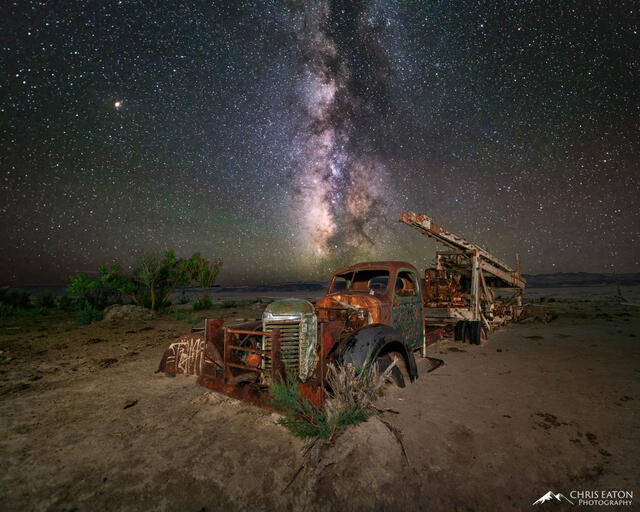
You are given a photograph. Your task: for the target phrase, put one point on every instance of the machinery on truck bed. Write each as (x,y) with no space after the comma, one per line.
(461,290)
(372,313)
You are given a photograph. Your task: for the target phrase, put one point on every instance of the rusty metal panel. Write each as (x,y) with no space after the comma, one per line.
(185,355)
(407,314)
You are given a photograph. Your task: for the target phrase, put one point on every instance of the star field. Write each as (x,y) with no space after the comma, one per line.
(286,137)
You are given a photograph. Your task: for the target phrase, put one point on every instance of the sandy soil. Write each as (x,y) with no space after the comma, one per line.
(540,406)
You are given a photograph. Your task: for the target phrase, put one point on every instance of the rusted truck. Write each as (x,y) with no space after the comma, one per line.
(372,313)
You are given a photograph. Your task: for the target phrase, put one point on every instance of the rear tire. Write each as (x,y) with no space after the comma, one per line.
(477,334)
(401,365)
(466,333)
(383,363)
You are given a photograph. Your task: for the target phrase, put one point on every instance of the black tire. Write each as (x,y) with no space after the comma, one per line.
(466,333)
(475,335)
(383,363)
(401,364)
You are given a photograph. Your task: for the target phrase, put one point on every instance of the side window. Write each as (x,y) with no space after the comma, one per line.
(406,285)
(341,283)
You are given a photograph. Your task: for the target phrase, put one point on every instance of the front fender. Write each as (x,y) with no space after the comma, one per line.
(365,345)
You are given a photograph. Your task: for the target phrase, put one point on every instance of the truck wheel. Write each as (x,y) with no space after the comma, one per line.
(401,365)
(476,332)
(467,333)
(383,363)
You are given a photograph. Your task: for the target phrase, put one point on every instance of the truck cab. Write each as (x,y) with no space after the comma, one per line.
(381,292)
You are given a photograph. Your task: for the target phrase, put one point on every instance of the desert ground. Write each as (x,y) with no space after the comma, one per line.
(548,404)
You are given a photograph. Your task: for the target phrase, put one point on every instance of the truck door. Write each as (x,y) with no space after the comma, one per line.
(407,307)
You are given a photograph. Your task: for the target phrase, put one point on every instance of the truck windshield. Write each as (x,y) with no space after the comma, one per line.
(364,280)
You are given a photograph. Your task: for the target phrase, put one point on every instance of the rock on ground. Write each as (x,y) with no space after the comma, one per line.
(127,312)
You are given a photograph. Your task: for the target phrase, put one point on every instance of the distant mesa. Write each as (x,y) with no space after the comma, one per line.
(577,279)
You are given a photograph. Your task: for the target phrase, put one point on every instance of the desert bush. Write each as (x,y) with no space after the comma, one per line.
(66,303)
(300,417)
(353,391)
(349,401)
(157,276)
(99,291)
(32,312)
(15,299)
(14,303)
(6,310)
(190,318)
(88,314)
(46,301)
(202,274)
(149,274)
(203,303)
(150,284)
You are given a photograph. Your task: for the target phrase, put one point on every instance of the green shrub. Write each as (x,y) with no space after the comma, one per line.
(203,303)
(229,304)
(88,314)
(301,417)
(204,275)
(66,303)
(11,311)
(46,300)
(6,310)
(150,284)
(158,275)
(190,318)
(177,316)
(19,300)
(99,291)
(13,303)
(350,401)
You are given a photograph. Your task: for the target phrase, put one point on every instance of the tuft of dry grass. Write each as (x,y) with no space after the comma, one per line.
(349,401)
(353,392)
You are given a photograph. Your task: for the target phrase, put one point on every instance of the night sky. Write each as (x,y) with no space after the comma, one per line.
(287,137)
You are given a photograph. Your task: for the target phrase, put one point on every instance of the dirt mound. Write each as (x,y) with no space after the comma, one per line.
(361,469)
(127,312)
(539,313)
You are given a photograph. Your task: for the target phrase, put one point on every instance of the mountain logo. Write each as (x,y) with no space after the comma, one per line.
(550,496)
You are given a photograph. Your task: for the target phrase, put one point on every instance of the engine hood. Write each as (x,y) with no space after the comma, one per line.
(353,300)
(293,308)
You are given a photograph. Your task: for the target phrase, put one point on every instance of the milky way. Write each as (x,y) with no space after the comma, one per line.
(286,136)
(341,180)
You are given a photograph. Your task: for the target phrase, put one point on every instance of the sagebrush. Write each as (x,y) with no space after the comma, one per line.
(349,401)
(88,314)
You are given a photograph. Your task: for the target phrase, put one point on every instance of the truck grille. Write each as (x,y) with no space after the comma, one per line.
(289,343)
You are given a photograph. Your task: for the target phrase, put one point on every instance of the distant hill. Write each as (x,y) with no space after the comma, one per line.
(311,286)
(561,279)
(577,279)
